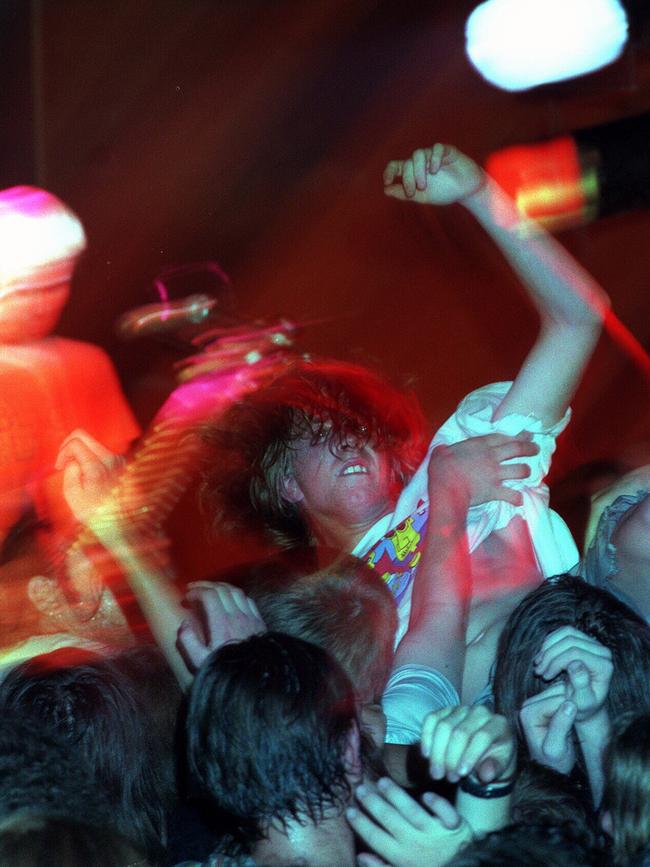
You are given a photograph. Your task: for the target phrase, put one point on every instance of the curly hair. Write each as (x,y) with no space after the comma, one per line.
(566,600)
(267,725)
(343,404)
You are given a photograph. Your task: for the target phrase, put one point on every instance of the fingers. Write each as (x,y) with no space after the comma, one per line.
(392,807)
(421,162)
(442,810)
(226,613)
(191,645)
(392,171)
(566,645)
(80,446)
(507,495)
(547,719)
(457,740)
(555,743)
(438,154)
(368,860)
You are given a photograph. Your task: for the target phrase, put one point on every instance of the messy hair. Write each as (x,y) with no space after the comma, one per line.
(347,610)
(267,725)
(566,600)
(342,404)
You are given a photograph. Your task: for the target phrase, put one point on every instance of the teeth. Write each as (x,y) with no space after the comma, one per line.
(357,468)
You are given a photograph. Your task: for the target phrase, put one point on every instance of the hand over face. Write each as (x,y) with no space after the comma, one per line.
(547,722)
(461,740)
(437,175)
(404,832)
(588,666)
(476,465)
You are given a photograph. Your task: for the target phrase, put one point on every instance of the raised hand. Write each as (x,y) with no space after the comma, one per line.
(547,721)
(459,741)
(438,175)
(588,666)
(89,472)
(404,832)
(477,465)
(221,613)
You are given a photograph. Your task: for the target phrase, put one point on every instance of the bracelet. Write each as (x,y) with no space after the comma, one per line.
(475,787)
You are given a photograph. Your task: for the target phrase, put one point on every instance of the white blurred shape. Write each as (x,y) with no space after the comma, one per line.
(519,44)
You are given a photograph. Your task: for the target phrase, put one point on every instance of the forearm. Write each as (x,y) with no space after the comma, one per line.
(156,596)
(563,292)
(436,633)
(593,737)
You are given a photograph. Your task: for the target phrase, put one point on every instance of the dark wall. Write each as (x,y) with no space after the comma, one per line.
(255,133)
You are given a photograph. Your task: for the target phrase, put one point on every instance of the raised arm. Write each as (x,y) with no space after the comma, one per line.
(570,303)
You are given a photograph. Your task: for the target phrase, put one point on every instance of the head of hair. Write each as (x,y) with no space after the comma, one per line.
(92,704)
(569,601)
(348,611)
(268,722)
(627,786)
(39,772)
(30,839)
(342,403)
(536,845)
(542,795)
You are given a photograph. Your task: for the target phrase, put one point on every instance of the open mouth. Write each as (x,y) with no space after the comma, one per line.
(353,470)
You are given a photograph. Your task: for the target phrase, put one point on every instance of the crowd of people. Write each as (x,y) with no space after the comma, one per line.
(428,672)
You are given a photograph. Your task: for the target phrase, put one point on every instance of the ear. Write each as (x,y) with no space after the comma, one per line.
(291,490)
(352,753)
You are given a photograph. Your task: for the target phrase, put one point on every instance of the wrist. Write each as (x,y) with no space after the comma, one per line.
(499,788)
(597,726)
(478,190)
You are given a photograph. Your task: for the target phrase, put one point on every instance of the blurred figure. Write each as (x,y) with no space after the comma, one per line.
(49,386)
(118,726)
(617,556)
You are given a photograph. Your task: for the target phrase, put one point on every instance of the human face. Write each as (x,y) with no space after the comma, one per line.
(344,487)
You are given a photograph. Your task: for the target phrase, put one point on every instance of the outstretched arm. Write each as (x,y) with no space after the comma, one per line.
(570,303)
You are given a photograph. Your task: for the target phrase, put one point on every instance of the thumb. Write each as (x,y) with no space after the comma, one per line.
(559,728)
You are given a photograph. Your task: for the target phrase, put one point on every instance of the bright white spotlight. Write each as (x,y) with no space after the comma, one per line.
(518,44)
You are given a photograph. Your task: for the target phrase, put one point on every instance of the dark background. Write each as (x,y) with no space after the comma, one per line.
(254,133)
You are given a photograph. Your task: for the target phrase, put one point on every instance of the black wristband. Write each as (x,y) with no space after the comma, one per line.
(487,790)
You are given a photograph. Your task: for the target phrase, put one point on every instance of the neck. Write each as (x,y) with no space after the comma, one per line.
(317,845)
(331,533)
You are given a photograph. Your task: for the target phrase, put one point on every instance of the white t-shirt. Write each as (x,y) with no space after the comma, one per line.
(393,544)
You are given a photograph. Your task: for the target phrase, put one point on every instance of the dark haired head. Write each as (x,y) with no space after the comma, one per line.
(538,845)
(39,772)
(30,839)
(95,705)
(627,787)
(268,723)
(569,601)
(545,796)
(321,399)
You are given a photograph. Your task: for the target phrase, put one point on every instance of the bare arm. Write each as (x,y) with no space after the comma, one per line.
(464,474)
(570,303)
